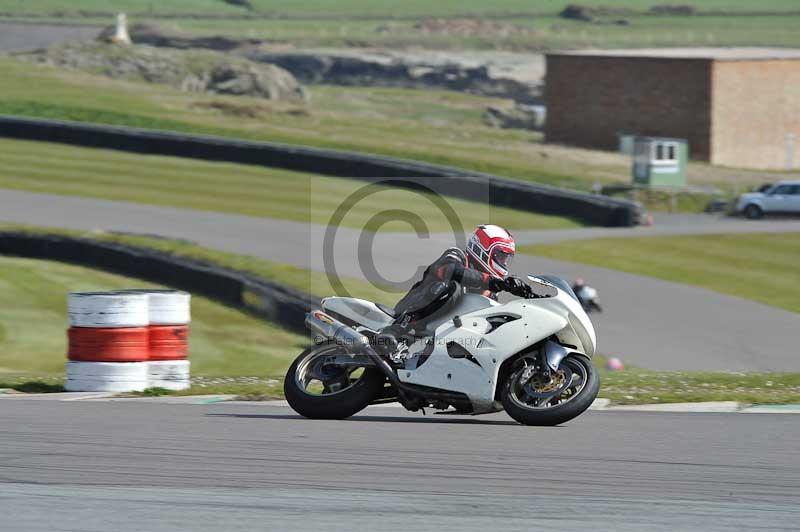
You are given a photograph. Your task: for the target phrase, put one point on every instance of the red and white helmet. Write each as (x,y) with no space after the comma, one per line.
(491,248)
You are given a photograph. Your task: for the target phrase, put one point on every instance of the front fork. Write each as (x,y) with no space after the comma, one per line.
(554,353)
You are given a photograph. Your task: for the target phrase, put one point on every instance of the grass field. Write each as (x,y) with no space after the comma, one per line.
(223,187)
(434,126)
(761,267)
(521,33)
(372,23)
(223,341)
(369,8)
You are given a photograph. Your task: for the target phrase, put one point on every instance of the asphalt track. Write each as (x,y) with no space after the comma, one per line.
(134,466)
(15,36)
(648,322)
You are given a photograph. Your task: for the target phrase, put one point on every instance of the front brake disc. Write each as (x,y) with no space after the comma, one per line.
(539,388)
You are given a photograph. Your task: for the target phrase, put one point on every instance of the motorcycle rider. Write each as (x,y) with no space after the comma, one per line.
(586,295)
(578,285)
(481,268)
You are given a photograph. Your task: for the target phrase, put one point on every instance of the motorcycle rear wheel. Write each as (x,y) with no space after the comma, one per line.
(522,403)
(317,390)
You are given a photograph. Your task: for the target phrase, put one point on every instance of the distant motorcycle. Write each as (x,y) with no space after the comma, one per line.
(588,298)
(530,357)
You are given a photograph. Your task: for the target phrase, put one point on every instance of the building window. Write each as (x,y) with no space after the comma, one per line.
(665,152)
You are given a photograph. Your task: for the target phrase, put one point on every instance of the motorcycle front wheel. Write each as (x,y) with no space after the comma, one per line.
(317,388)
(532,399)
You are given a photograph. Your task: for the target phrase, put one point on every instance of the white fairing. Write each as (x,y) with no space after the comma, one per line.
(358,310)
(476,376)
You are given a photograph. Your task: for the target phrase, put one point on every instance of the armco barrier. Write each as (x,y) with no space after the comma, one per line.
(273,301)
(591,209)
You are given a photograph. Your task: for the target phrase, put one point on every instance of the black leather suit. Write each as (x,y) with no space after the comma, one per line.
(434,289)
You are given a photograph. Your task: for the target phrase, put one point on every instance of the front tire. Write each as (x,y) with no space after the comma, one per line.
(753,212)
(339,394)
(521,400)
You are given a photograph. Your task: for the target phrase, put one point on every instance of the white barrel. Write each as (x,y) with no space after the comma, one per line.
(107,309)
(168,374)
(174,385)
(169,307)
(103,384)
(168,369)
(165,307)
(119,371)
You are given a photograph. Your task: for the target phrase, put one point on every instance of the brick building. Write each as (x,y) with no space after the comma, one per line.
(736,106)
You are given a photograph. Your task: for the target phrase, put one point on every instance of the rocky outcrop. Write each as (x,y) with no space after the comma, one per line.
(367,69)
(364,67)
(195,71)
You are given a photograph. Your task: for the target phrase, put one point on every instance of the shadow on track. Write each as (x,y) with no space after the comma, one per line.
(380,419)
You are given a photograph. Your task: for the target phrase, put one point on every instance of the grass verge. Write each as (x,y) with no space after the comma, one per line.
(434,126)
(760,267)
(231,188)
(629,387)
(639,386)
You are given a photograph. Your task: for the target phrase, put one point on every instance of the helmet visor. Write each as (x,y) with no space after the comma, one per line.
(503,259)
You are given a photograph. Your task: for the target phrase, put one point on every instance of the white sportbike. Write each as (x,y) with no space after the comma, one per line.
(530,357)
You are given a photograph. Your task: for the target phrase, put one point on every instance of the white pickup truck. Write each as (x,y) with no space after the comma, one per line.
(781,198)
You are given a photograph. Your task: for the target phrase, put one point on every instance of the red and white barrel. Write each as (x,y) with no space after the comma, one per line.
(128,340)
(169,316)
(108,342)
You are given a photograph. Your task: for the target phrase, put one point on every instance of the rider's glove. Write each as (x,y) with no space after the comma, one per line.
(497,285)
(517,286)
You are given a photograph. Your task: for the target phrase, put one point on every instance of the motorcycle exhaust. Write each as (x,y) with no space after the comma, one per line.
(325,328)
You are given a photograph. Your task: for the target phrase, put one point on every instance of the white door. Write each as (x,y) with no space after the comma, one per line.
(778,199)
(793,199)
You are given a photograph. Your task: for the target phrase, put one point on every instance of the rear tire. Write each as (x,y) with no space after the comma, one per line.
(753,212)
(560,413)
(338,405)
